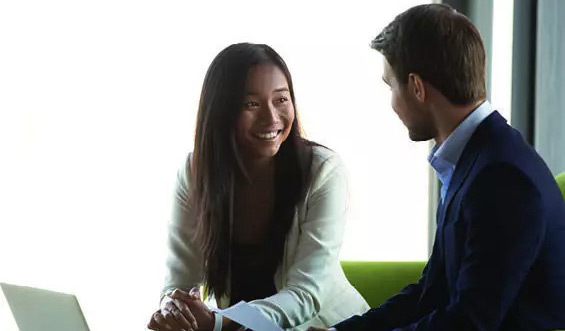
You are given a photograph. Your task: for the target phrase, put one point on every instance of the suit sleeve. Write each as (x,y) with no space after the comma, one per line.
(504,224)
(399,310)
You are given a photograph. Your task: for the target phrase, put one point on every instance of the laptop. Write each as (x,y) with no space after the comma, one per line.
(35,309)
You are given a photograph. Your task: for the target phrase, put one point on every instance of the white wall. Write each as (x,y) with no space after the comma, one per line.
(97,110)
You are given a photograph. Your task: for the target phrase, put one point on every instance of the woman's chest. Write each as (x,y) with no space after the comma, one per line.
(253,212)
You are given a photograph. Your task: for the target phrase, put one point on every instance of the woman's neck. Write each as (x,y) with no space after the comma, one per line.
(259,170)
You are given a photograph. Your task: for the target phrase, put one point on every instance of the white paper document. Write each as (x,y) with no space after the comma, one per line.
(249,316)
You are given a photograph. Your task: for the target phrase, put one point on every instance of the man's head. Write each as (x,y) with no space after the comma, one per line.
(431,48)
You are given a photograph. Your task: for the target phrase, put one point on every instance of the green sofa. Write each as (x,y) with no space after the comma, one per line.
(378,281)
(561,182)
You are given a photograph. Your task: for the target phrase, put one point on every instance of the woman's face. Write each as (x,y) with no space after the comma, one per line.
(267,112)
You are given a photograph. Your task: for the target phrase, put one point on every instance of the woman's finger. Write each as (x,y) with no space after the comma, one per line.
(182,295)
(195,292)
(159,323)
(171,319)
(187,313)
(172,309)
(182,321)
(153,325)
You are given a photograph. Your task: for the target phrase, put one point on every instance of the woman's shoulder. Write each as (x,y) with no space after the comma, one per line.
(323,156)
(324,161)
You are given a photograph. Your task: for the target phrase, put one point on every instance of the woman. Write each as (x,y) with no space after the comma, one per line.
(259,211)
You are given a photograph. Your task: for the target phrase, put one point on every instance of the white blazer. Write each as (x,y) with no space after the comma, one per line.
(311,287)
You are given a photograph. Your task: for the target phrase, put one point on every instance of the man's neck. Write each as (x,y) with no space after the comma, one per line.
(449,116)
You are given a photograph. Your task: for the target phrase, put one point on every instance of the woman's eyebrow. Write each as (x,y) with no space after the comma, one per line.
(280,89)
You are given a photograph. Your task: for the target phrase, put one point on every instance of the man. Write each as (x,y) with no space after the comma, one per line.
(498,261)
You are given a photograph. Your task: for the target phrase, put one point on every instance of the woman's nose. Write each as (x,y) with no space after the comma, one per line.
(270,113)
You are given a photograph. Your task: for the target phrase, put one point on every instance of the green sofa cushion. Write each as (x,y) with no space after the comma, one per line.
(561,182)
(378,281)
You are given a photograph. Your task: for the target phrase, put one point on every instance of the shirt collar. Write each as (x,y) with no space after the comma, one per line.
(443,158)
(451,149)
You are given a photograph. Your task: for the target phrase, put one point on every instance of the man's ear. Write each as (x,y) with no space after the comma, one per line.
(417,87)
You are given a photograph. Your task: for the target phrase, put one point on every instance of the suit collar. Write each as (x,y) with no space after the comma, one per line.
(436,265)
(468,158)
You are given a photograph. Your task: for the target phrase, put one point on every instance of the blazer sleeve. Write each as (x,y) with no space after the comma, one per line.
(399,310)
(503,217)
(319,242)
(184,260)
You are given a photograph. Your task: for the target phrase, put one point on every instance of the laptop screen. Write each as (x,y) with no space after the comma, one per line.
(41,310)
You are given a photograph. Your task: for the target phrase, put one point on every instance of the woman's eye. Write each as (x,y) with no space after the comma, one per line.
(251,104)
(282,99)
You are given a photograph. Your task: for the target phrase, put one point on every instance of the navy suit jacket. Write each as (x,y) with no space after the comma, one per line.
(498,261)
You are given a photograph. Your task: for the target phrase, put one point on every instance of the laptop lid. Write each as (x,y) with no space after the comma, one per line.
(41,310)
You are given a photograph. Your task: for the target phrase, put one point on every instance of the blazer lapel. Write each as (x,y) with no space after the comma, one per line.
(461,172)
(463,167)
(435,291)
(467,160)
(436,264)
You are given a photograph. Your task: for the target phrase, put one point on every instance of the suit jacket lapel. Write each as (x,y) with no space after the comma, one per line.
(437,261)
(461,171)
(434,291)
(465,163)
(467,159)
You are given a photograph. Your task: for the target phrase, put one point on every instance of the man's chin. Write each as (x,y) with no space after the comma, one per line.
(418,136)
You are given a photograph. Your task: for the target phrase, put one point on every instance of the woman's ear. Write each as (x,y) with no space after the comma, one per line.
(417,87)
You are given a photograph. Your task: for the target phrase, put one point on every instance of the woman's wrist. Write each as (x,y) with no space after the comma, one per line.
(229,325)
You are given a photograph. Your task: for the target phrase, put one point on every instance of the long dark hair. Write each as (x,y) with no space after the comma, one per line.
(216,160)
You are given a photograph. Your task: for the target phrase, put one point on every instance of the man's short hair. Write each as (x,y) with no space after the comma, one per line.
(439,44)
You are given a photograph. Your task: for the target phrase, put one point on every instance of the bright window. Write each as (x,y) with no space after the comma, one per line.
(97,111)
(501,66)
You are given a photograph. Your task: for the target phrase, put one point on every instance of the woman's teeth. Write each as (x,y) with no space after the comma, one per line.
(267,135)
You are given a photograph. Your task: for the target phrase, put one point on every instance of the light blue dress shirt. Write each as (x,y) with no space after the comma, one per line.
(443,158)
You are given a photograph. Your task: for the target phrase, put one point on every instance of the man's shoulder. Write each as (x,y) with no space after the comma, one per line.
(497,144)
(503,155)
